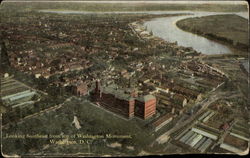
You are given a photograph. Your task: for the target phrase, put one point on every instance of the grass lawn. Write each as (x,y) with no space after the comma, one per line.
(93,121)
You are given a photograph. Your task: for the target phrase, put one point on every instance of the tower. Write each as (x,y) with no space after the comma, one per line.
(97,86)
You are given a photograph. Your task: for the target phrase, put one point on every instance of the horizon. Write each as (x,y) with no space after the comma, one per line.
(136,1)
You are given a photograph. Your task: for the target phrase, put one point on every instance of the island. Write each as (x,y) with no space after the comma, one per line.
(230,29)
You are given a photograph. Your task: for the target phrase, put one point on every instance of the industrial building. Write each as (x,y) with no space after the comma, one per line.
(241,131)
(206,131)
(15,94)
(80,89)
(206,116)
(123,102)
(145,106)
(196,140)
(234,144)
(237,140)
(162,121)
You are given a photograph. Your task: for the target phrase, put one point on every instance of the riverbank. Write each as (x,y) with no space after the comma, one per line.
(143,33)
(233,32)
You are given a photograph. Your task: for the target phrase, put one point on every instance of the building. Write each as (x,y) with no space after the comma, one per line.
(191,94)
(95,94)
(179,100)
(234,144)
(123,102)
(240,130)
(206,131)
(15,94)
(117,101)
(114,99)
(145,106)
(18,97)
(80,89)
(162,121)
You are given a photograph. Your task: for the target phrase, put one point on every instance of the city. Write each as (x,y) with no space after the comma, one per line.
(106,84)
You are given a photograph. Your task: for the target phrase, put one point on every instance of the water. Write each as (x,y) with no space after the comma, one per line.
(243,14)
(166,29)
(113,12)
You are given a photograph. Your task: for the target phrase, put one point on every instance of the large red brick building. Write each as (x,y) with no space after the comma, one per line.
(122,103)
(114,100)
(145,106)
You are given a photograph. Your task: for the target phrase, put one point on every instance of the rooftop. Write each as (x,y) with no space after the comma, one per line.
(120,94)
(146,98)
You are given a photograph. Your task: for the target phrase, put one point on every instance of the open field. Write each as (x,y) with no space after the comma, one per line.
(93,121)
(234,30)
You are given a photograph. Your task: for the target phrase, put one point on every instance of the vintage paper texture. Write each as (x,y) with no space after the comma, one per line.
(124,78)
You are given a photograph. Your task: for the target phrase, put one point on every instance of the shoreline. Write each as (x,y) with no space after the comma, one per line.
(235,49)
(144,34)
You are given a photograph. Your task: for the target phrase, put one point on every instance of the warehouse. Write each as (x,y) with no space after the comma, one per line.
(195,139)
(200,142)
(186,136)
(241,131)
(234,144)
(205,145)
(15,94)
(162,121)
(205,132)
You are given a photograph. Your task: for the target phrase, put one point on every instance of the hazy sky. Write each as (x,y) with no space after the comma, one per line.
(135,1)
(124,1)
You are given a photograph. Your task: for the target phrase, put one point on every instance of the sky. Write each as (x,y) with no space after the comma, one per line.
(141,1)
(134,1)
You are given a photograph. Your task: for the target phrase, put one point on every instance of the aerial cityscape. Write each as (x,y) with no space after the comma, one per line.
(124,78)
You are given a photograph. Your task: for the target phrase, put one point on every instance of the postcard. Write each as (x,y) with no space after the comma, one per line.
(124,78)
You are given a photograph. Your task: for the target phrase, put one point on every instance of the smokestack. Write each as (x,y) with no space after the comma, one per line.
(97,85)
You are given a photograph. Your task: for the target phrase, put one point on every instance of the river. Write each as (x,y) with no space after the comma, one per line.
(166,29)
